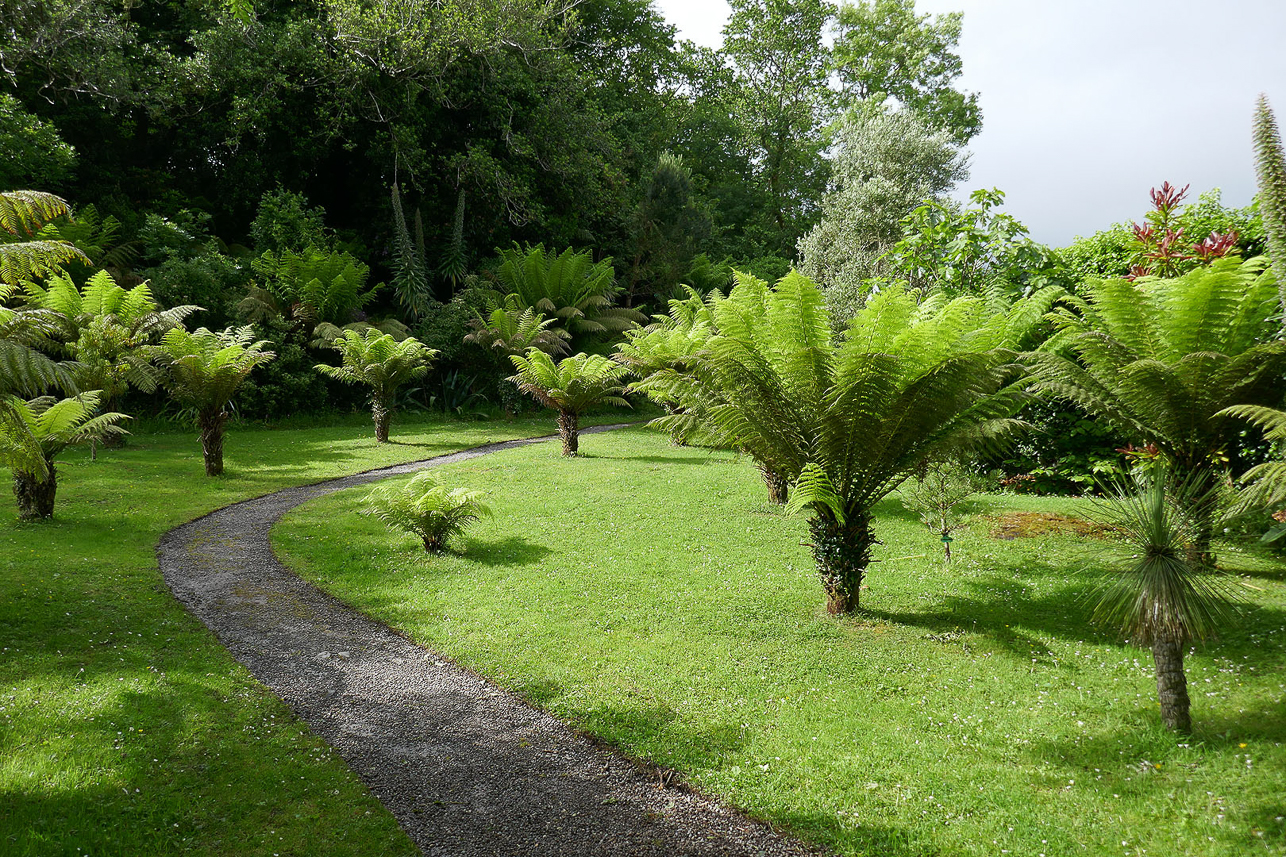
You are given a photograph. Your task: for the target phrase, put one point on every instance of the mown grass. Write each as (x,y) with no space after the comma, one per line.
(647,594)
(125,728)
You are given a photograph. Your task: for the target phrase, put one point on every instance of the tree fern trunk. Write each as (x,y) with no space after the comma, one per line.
(35,495)
(569,431)
(211,426)
(382,415)
(778,486)
(842,552)
(1172,686)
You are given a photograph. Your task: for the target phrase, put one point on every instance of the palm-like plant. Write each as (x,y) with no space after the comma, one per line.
(202,371)
(382,363)
(1158,598)
(569,287)
(571,387)
(847,423)
(507,328)
(23,255)
(36,432)
(426,508)
(1162,359)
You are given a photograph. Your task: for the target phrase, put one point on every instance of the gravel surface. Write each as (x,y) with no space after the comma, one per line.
(465,767)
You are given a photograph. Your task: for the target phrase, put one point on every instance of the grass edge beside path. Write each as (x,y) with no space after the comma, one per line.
(125,727)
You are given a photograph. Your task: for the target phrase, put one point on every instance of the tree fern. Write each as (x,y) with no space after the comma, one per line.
(426,508)
(316,285)
(570,387)
(846,423)
(202,371)
(507,328)
(1163,359)
(24,256)
(33,433)
(380,362)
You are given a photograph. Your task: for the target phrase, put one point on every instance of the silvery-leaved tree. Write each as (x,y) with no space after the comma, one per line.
(847,422)
(382,363)
(202,371)
(572,386)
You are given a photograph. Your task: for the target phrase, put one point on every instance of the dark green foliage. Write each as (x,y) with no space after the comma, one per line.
(31,153)
(285,221)
(289,385)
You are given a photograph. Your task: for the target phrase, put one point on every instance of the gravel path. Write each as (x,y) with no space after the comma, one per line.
(465,767)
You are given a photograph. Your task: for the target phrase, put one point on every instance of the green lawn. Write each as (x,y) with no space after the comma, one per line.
(647,594)
(125,728)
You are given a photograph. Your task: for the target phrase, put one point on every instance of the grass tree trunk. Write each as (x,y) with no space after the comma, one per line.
(212,425)
(1172,685)
(842,553)
(778,485)
(383,414)
(35,495)
(569,431)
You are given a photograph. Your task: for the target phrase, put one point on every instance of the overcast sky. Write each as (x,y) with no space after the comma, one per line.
(1089,103)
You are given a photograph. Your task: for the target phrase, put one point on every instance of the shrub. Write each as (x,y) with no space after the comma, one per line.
(426,508)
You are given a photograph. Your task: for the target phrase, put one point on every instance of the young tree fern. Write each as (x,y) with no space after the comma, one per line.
(1162,359)
(847,423)
(202,371)
(1270,169)
(426,508)
(36,432)
(382,363)
(1158,598)
(507,328)
(570,387)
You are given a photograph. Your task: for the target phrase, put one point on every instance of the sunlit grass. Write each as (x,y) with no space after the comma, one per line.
(649,595)
(125,728)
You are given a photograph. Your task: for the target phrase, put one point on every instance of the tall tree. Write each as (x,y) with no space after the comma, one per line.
(884,50)
(781,101)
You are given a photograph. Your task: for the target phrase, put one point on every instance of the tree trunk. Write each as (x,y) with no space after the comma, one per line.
(1172,685)
(433,544)
(778,486)
(569,431)
(211,425)
(842,552)
(35,495)
(380,411)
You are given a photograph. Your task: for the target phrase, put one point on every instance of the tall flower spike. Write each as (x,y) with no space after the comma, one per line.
(1270,169)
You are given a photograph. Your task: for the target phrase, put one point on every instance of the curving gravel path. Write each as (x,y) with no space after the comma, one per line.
(465,767)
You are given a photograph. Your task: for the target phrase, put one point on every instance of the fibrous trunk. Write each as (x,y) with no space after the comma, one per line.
(569,431)
(842,553)
(212,425)
(380,411)
(35,495)
(433,544)
(778,486)
(1172,685)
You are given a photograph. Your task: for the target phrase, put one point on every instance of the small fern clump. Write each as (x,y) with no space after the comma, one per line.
(426,508)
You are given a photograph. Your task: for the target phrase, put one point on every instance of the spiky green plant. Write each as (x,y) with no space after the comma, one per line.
(571,387)
(569,287)
(847,423)
(411,276)
(424,507)
(1270,170)
(202,371)
(1162,359)
(23,255)
(36,432)
(380,362)
(1157,597)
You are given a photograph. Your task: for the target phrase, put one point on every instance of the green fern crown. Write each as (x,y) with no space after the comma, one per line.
(426,508)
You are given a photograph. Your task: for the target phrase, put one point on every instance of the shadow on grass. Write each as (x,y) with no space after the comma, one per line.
(504,553)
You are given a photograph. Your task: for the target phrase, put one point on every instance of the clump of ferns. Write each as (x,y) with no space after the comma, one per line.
(426,508)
